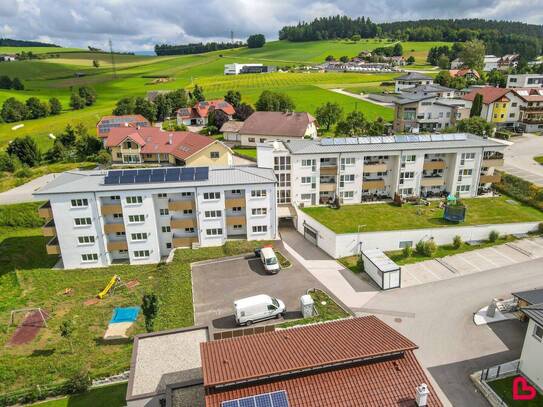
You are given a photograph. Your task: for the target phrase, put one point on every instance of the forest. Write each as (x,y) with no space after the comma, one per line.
(197,48)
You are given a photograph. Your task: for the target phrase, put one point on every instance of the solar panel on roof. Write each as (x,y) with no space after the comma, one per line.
(364,140)
(448,137)
(461,136)
(263,400)
(401,139)
(274,399)
(248,402)
(142,178)
(146,171)
(172,176)
(115,173)
(159,171)
(437,137)
(111,180)
(424,137)
(327,141)
(388,139)
(158,177)
(187,176)
(351,140)
(127,179)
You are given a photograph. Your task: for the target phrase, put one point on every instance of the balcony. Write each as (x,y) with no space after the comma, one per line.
(329,170)
(49,228)
(113,245)
(45,211)
(327,187)
(182,223)
(490,179)
(375,167)
(111,209)
(53,246)
(184,241)
(373,184)
(236,220)
(432,181)
(113,227)
(181,205)
(434,165)
(234,202)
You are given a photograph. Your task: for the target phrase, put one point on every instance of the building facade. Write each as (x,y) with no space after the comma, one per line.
(527,80)
(94,221)
(411,80)
(531,358)
(313,172)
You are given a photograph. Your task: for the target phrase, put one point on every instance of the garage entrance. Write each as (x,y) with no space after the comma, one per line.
(310,234)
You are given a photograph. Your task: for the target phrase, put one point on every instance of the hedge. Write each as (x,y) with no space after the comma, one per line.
(520,189)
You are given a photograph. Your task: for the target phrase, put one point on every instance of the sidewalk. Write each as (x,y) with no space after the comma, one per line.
(23,193)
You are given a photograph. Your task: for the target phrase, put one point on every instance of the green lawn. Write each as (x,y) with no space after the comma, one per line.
(539,159)
(36,50)
(111,396)
(247,152)
(376,217)
(504,389)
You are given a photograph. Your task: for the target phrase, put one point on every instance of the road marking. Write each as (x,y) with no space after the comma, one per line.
(430,271)
(504,255)
(487,259)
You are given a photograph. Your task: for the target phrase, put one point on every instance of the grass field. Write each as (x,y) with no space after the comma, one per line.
(539,159)
(376,217)
(247,152)
(36,50)
(504,389)
(110,396)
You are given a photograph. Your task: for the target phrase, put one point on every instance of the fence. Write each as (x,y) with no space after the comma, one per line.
(243,332)
(505,369)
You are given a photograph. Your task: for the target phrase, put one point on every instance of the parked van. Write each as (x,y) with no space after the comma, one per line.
(269,259)
(258,308)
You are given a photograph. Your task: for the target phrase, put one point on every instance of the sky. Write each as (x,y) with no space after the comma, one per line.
(135,25)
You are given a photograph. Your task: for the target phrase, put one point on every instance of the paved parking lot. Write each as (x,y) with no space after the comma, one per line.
(215,286)
(472,262)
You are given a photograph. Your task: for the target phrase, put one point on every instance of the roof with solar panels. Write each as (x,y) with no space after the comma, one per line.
(155,178)
(390,143)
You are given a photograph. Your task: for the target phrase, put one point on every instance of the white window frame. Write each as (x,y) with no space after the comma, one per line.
(79,203)
(134,200)
(89,257)
(212,196)
(142,254)
(214,232)
(164,211)
(213,214)
(82,225)
(87,240)
(259,211)
(259,193)
(260,229)
(139,236)
(536,329)
(132,218)
(166,229)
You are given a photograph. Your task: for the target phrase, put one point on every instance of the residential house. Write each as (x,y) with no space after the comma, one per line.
(107,123)
(360,169)
(138,216)
(430,90)
(490,62)
(527,80)
(508,61)
(198,114)
(527,298)
(531,358)
(268,126)
(530,108)
(469,74)
(495,104)
(411,80)
(146,145)
(230,131)
(238,69)
(7,58)
(457,64)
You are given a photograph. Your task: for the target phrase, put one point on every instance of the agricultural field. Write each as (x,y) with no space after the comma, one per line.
(36,50)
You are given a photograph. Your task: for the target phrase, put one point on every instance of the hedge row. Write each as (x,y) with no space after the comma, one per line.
(520,189)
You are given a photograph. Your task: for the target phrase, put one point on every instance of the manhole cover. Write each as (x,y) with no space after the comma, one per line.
(398,320)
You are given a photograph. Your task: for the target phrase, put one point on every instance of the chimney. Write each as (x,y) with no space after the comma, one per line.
(170,138)
(422,395)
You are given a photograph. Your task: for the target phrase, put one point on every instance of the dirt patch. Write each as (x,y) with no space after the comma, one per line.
(29,328)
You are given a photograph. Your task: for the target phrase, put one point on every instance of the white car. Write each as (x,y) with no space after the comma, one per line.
(258,308)
(269,259)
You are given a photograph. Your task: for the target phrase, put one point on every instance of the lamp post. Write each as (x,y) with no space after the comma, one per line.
(359,241)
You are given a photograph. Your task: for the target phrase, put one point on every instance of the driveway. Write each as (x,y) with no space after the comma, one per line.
(519,158)
(217,284)
(24,192)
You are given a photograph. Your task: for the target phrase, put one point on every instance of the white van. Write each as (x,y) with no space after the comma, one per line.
(269,259)
(258,308)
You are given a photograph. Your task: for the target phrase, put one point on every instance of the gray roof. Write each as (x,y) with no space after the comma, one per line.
(391,143)
(428,88)
(413,76)
(93,181)
(531,296)
(534,312)
(406,98)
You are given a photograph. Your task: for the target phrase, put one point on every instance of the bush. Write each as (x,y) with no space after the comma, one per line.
(430,248)
(23,172)
(540,228)
(493,236)
(419,247)
(457,242)
(520,189)
(78,383)
(103,157)
(7,163)
(407,251)
(25,149)
(360,264)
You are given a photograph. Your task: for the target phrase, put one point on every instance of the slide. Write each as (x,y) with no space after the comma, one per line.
(108,287)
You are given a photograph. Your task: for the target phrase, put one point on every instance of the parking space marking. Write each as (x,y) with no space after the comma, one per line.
(503,255)
(429,270)
(488,259)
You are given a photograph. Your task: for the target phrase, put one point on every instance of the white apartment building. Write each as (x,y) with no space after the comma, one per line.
(96,218)
(360,169)
(528,80)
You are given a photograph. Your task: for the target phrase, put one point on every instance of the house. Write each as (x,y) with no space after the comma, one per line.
(527,80)
(508,61)
(529,297)
(469,74)
(197,115)
(7,58)
(410,80)
(238,69)
(429,90)
(495,103)
(107,123)
(531,358)
(145,145)
(138,216)
(490,62)
(457,64)
(230,131)
(265,126)
(529,109)
(360,169)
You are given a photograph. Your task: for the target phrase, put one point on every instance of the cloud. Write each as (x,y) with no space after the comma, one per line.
(139,24)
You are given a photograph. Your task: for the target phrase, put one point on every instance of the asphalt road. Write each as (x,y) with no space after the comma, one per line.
(24,192)
(519,158)
(438,318)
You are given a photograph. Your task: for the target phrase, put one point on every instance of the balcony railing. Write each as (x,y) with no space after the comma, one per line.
(45,210)
(114,227)
(434,165)
(113,245)
(329,170)
(49,228)
(111,209)
(327,187)
(487,179)
(184,241)
(236,220)
(53,246)
(373,184)
(375,167)
(181,205)
(182,223)
(234,202)
(432,181)
(493,162)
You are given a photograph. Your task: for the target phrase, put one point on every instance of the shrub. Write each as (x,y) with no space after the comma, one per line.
(23,172)
(78,382)
(6,162)
(540,228)
(493,236)
(407,251)
(430,248)
(25,149)
(457,242)
(360,264)
(103,157)
(419,248)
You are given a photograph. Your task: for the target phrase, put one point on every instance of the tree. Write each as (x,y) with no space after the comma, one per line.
(25,149)
(17,84)
(274,102)
(473,54)
(149,307)
(76,102)
(329,58)
(243,111)
(217,118)
(13,110)
(125,106)
(344,59)
(328,114)
(476,106)
(96,63)
(87,146)
(497,78)
(36,109)
(475,125)
(256,41)
(397,50)
(7,163)
(163,107)
(66,329)
(5,82)
(88,94)
(55,107)
(67,138)
(354,124)
(233,97)
(198,93)
(145,108)
(410,60)
(356,38)
(55,153)
(376,128)
(178,99)
(443,62)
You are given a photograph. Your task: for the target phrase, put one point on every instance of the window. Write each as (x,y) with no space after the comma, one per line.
(187,211)
(214,154)
(120,233)
(467,172)
(409,158)
(236,192)
(406,191)
(262,140)
(306,180)
(136,218)
(141,253)
(259,211)
(134,200)
(214,232)
(468,156)
(85,239)
(283,196)
(463,188)
(538,332)
(348,161)
(189,230)
(136,237)
(79,203)
(305,197)
(260,229)
(89,257)
(251,139)
(236,209)
(164,212)
(208,196)
(186,194)
(115,198)
(117,215)
(258,193)
(169,245)
(162,195)
(166,229)
(283,179)
(346,194)
(82,221)
(281,163)
(308,163)
(407,175)
(237,227)
(514,104)
(212,214)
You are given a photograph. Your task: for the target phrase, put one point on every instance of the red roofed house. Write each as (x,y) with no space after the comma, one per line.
(530,110)
(467,73)
(495,103)
(129,145)
(197,115)
(107,123)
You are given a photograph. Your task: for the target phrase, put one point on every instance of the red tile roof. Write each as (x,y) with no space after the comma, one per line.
(277,124)
(489,93)
(529,94)
(385,383)
(463,72)
(201,109)
(130,120)
(257,356)
(152,140)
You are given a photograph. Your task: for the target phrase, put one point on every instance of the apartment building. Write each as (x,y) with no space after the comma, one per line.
(97,218)
(528,80)
(529,109)
(360,169)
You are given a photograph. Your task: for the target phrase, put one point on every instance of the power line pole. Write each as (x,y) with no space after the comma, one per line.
(112,59)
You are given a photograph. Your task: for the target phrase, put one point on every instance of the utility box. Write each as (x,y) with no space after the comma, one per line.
(307,305)
(381,269)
